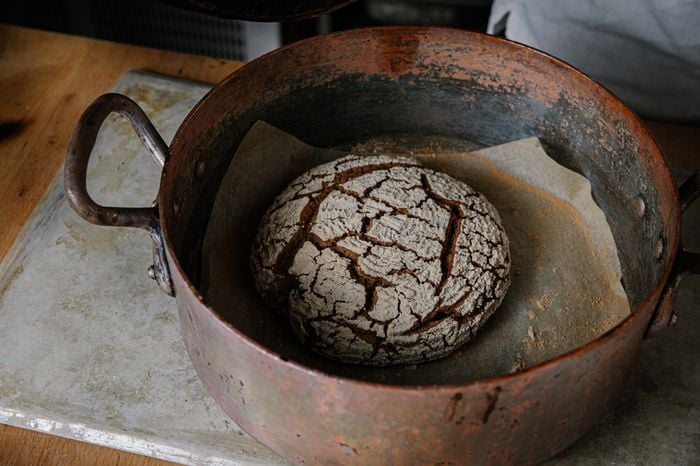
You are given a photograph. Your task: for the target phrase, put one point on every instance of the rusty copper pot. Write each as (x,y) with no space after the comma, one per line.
(340,88)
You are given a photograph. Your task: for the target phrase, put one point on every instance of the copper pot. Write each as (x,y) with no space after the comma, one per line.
(340,88)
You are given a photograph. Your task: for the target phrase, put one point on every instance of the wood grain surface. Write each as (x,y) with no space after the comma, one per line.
(25,447)
(46,81)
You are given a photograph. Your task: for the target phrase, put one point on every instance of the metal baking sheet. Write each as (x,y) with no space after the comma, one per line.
(90,347)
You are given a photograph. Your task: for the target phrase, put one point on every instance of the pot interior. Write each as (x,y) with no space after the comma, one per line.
(338,90)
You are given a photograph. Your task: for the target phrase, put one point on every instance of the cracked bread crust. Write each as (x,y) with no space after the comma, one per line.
(378,260)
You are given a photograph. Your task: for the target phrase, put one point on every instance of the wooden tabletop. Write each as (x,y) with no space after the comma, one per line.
(46,81)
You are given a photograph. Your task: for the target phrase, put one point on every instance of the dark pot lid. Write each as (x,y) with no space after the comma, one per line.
(262,10)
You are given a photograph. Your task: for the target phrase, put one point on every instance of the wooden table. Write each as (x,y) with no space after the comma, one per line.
(46,81)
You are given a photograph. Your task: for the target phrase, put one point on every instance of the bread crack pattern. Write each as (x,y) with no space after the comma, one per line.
(378,260)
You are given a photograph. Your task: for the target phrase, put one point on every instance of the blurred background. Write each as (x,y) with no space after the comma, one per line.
(646,51)
(154,23)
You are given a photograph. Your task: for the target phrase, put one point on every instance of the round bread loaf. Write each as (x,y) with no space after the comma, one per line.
(378,260)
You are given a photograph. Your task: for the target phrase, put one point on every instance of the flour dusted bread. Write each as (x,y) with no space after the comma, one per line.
(378,260)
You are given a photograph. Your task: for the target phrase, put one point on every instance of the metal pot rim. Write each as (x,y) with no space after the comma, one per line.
(664,174)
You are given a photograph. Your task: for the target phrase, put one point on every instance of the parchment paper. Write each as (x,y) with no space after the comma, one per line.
(565,289)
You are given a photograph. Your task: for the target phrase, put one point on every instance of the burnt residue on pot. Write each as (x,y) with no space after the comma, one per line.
(492,399)
(451,407)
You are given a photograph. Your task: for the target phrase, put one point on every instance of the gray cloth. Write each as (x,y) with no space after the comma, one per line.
(647,52)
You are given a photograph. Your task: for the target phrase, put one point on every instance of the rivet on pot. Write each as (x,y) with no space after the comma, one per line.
(659,248)
(199,169)
(176,208)
(152,272)
(640,207)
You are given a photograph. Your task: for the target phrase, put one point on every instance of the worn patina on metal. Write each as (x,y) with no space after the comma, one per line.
(75,181)
(341,88)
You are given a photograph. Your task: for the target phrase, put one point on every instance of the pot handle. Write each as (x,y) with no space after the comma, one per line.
(687,263)
(75,177)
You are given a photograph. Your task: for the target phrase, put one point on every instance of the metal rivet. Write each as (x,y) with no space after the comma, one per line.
(152,272)
(640,207)
(176,208)
(199,169)
(674,319)
(659,247)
